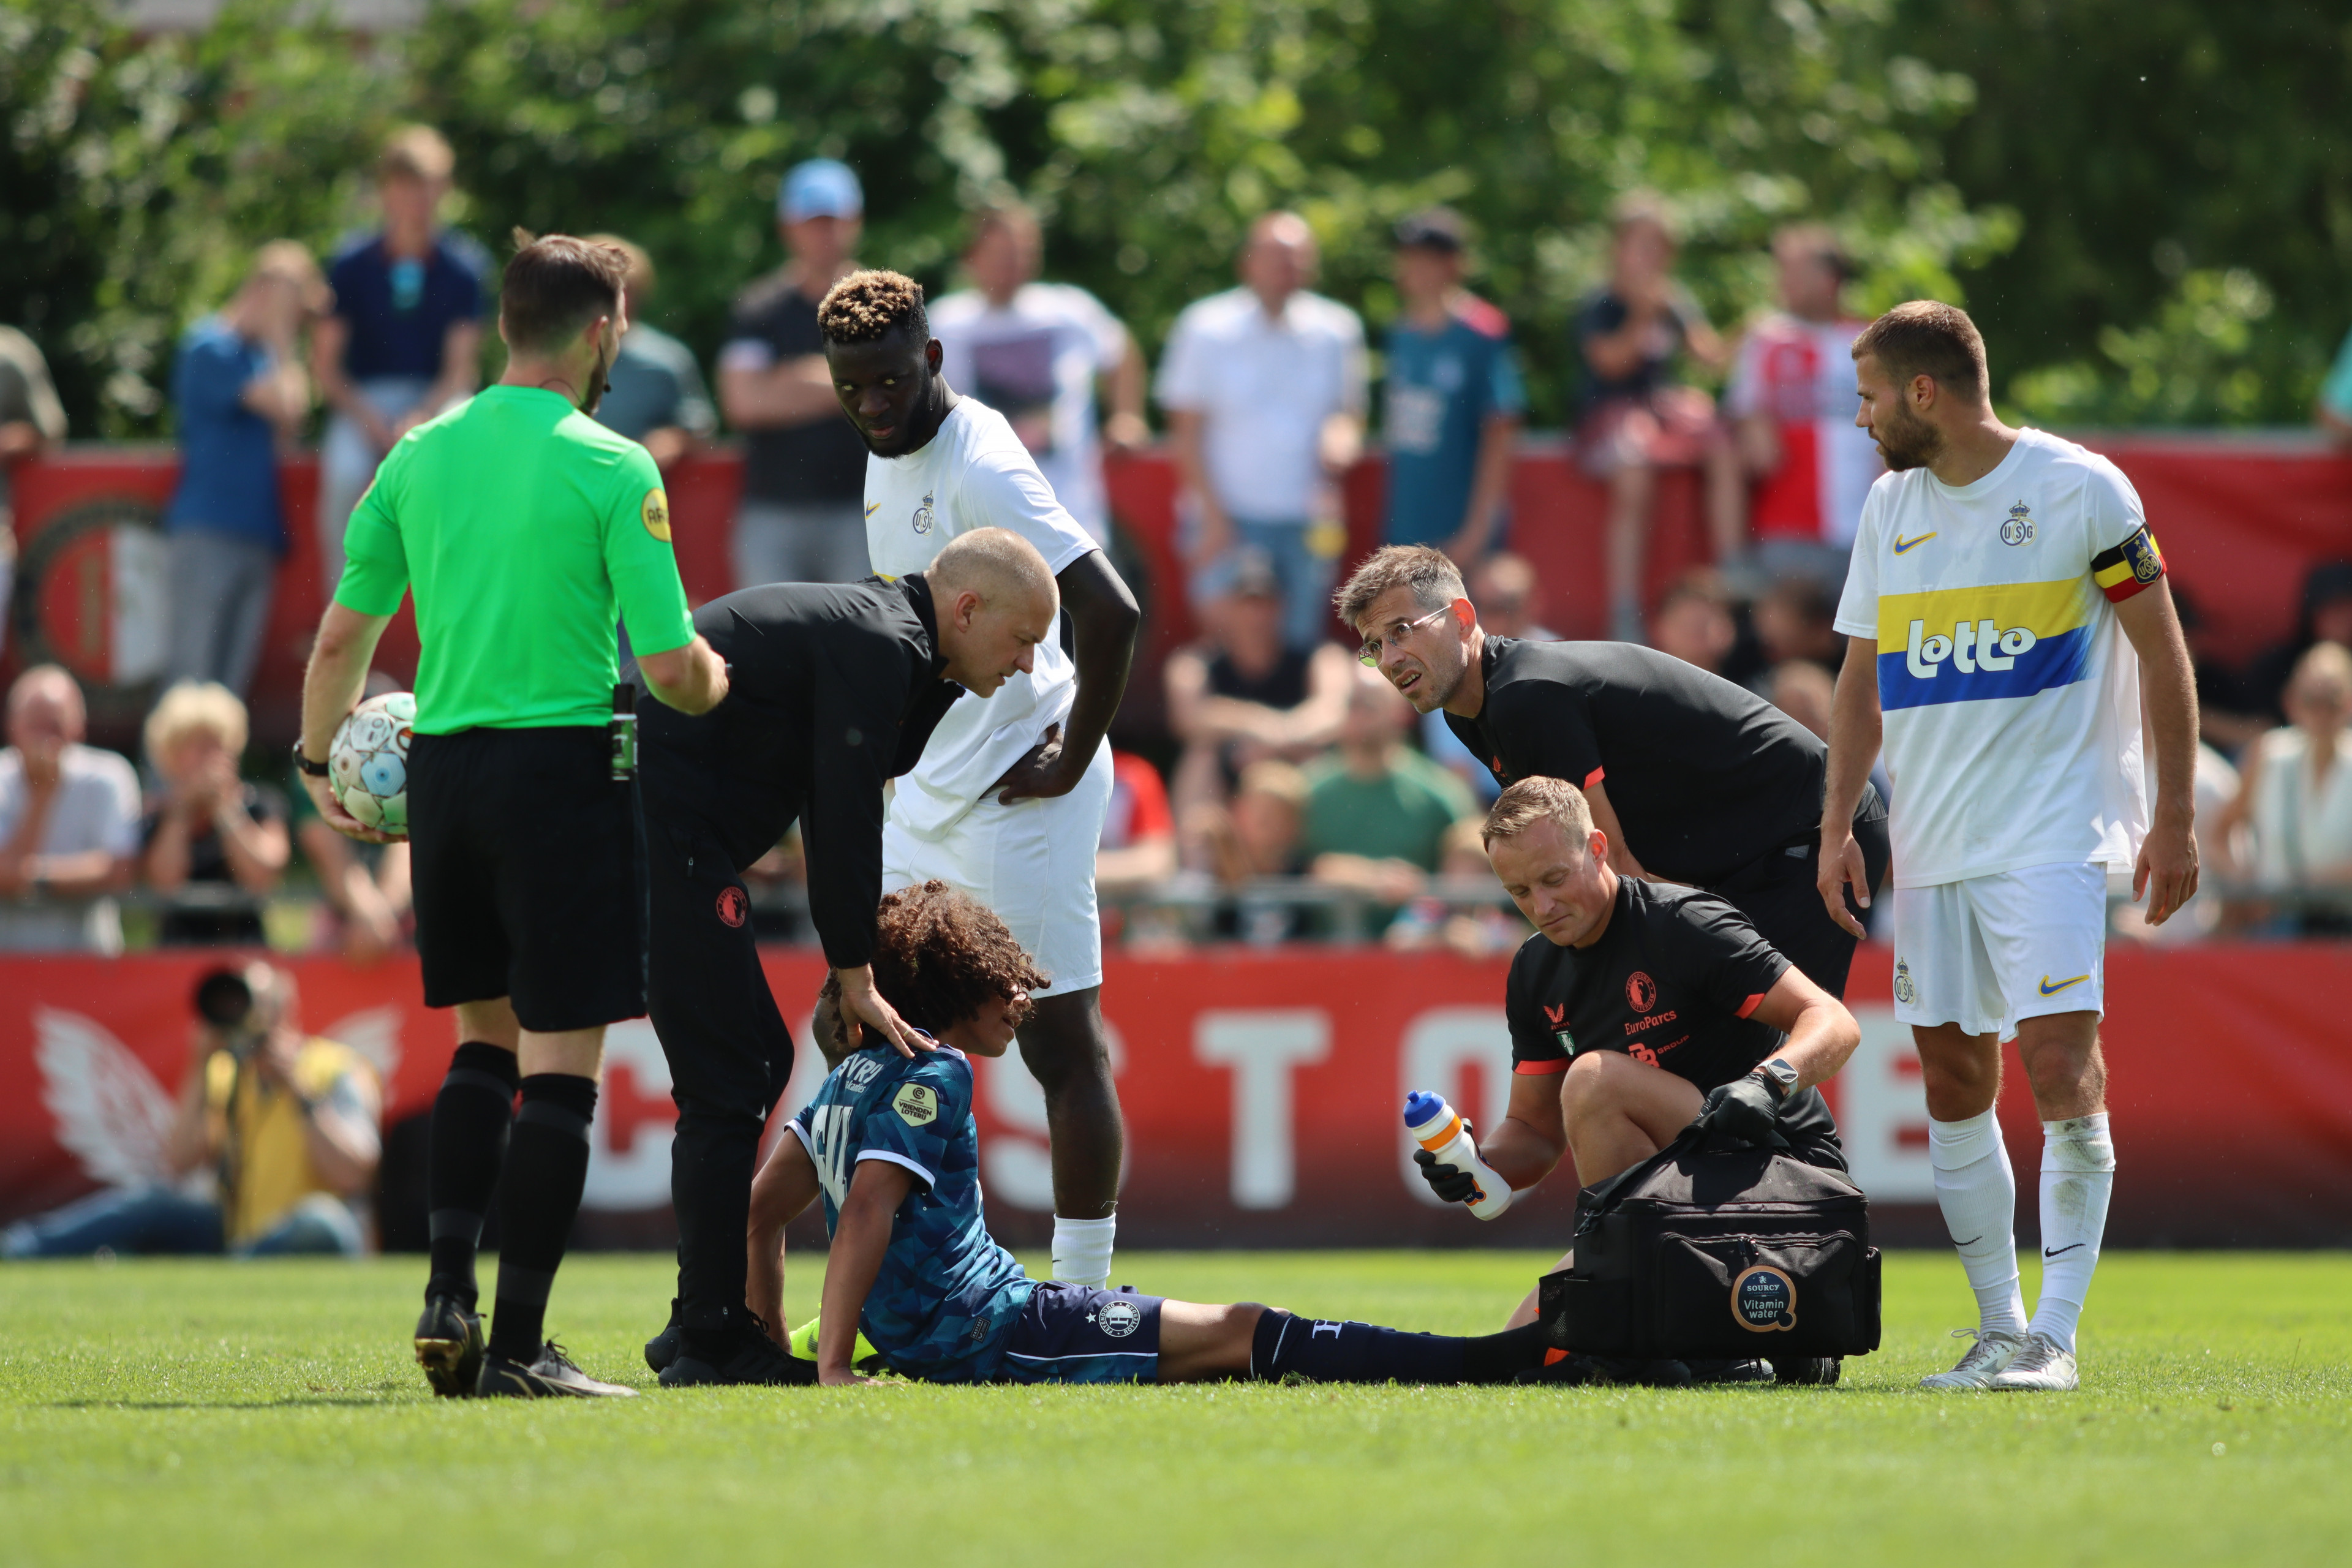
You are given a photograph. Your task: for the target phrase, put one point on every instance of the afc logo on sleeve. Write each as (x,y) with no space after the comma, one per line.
(656,513)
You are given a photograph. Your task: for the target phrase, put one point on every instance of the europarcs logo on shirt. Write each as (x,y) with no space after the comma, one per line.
(1971,645)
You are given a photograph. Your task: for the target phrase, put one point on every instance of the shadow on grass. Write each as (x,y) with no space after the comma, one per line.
(287,1401)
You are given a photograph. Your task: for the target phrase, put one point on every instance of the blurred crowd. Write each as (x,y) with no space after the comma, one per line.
(1293,794)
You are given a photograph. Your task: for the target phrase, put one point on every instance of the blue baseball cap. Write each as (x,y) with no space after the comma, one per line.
(821,187)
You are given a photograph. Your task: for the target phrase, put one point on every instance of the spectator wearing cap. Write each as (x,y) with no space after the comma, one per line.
(239,394)
(654,394)
(68,822)
(1264,387)
(1244,694)
(1636,418)
(1451,399)
(802,517)
(1037,353)
(404,339)
(31,420)
(1790,402)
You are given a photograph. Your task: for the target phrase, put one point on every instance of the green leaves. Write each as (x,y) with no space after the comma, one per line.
(2000,149)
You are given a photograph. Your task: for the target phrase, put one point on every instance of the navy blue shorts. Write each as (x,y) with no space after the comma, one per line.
(1076,1333)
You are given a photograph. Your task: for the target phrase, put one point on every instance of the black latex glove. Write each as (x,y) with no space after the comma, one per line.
(1744,1107)
(1454,1186)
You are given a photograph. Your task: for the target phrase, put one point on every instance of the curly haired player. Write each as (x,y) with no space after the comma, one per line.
(1008,800)
(889,1146)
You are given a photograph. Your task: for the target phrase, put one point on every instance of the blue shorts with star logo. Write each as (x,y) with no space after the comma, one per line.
(1076,1333)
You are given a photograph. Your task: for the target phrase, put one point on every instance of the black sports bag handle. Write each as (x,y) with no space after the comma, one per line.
(1601,1196)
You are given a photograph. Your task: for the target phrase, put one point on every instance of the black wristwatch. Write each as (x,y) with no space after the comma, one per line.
(1779,1076)
(304,764)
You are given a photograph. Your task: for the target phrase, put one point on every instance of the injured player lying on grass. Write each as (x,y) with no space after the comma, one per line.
(889,1146)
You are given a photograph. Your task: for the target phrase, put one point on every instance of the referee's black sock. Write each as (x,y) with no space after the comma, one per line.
(471,1116)
(537,1203)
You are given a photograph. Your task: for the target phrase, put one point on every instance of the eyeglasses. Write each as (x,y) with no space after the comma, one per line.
(1369,653)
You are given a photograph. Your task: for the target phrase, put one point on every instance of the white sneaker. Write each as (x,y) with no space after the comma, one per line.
(1985,1361)
(2041,1364)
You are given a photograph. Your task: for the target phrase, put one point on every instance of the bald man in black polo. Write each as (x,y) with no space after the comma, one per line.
(1692,779)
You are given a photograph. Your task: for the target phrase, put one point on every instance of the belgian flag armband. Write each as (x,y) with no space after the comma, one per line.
(2130,567)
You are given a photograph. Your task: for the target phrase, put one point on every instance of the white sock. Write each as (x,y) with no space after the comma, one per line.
(1977,1190)
(2078,1177)
(1082,1251)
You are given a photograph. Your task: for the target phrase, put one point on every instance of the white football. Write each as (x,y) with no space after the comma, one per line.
(367,766)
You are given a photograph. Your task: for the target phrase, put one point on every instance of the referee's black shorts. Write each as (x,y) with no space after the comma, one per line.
(527,862)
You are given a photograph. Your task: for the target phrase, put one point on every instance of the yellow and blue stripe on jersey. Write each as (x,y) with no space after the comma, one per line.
(1971,645)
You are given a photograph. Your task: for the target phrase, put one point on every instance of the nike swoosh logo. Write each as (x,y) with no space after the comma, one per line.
(1901,544)
(2049,989)
(877,507)
(1969,1241)
(2062,1251)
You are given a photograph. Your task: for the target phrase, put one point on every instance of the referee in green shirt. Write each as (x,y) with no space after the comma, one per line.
(523,528)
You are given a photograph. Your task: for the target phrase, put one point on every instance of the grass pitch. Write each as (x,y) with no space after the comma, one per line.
(268,1413)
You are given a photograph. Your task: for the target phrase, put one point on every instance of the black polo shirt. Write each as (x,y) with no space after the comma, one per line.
(833,688)
(1673,982)
(1704,777)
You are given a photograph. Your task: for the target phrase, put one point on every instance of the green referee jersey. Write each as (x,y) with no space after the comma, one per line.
(525,528)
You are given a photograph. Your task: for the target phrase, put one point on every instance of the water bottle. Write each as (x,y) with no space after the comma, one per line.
(1433,1124)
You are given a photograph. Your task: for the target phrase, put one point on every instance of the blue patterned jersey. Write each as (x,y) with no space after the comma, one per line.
(948,1294)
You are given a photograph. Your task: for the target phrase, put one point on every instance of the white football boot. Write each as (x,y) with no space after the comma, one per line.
(2041,1364)
(1984,1361)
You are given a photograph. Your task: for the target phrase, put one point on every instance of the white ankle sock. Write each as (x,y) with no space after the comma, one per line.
(1977,1190)
(2078,1177)
(1082,1251)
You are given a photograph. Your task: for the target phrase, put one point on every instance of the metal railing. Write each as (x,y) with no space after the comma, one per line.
(1189,906)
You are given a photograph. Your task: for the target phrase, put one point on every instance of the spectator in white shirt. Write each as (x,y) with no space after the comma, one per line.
(2295,791)
(1264,389)
(68,822)
(1035,352)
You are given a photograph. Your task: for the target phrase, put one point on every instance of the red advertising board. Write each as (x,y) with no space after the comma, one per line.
(2241,521)
(1263,1091)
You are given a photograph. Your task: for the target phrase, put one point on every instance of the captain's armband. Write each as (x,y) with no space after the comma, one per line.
(2130,567)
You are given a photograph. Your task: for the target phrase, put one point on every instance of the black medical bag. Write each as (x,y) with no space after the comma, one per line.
(1714,1249)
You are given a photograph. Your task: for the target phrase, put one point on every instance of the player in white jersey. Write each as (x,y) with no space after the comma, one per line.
(2009,616)
(1007,804)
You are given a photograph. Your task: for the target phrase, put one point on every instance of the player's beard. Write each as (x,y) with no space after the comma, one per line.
(1907,440)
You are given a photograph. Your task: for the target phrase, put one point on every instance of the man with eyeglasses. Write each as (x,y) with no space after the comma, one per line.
(1692,779)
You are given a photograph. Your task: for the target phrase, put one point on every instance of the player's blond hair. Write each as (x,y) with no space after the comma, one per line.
(1434,580)
(1276,779)
(416,152)
(197,708)
(1534,800)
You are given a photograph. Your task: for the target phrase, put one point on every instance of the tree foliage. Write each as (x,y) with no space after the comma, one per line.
(138,172)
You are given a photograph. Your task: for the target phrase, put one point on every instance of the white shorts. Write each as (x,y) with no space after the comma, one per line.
(1032,863)
(1989,951)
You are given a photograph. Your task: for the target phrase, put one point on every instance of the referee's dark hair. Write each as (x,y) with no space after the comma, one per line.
(871,305)
(1929,338)
(555,286)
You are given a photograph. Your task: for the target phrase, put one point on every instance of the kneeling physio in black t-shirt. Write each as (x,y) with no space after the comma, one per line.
(1638,1007)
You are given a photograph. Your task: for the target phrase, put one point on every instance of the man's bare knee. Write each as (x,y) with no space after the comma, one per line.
(1960,1073)
(2063,1064)
(1062,1042)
